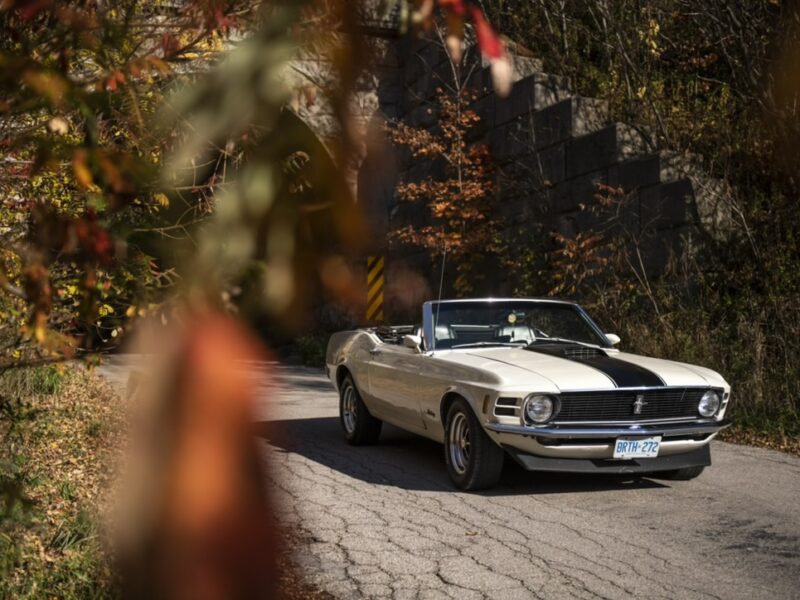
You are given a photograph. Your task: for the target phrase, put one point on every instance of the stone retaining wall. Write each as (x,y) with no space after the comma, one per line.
(555,146)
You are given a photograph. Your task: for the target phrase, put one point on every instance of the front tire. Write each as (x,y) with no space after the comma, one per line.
(684,474)
(360,428)
(474,462)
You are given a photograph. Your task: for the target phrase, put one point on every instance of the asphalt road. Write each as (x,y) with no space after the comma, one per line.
(383,521)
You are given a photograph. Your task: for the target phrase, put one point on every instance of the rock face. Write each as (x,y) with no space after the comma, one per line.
(557,148)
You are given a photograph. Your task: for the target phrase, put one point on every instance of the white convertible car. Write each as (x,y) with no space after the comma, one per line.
(535,379)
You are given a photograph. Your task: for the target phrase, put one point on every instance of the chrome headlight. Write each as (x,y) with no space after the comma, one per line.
(538,409)
(709,404)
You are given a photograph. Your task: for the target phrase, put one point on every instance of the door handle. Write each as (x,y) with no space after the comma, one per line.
(374,352)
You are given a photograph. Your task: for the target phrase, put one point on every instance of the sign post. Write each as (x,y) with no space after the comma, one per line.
(375,285)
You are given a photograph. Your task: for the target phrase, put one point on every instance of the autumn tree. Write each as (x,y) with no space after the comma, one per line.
(463,224)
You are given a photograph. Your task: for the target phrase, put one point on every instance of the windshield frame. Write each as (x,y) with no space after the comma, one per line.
(430,316)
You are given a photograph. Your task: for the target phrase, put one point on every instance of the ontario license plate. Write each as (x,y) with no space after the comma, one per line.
(637,447)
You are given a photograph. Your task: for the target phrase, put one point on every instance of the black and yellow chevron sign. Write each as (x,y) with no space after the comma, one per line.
(375,284)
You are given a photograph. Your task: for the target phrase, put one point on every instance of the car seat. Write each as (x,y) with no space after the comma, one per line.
(514,333)
(445,336)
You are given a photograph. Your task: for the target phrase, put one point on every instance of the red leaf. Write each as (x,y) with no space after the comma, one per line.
(488,41)
(455,7)
(29,10)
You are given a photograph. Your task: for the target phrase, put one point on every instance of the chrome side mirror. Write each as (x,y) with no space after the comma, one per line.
(613,338)
(413,341)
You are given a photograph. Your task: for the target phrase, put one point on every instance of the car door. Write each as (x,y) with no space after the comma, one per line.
(393,373)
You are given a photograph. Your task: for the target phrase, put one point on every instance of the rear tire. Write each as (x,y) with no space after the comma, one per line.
(360,428)
(684,474)
(474,461)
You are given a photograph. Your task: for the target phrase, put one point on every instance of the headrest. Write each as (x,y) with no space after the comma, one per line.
(515,332)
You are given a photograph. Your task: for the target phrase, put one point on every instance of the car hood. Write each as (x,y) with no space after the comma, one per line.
(520,367)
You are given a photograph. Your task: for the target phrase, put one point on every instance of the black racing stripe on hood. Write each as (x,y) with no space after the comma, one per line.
(622,373)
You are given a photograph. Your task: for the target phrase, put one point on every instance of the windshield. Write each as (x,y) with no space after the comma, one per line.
(510,323)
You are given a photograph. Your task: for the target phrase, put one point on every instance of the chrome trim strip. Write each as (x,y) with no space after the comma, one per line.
(427,327)
(639,389)
(629,423)
(605,432)
(573,444)
(490,299)
(516,414)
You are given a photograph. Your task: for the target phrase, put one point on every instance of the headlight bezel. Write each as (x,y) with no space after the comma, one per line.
(717,405)
(554,406)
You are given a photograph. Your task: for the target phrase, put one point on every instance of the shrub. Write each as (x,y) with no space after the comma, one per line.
(311,349)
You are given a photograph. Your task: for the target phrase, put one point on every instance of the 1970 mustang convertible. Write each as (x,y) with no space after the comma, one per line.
(535,379)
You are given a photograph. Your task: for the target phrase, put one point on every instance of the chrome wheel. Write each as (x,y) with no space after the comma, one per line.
(458,443)
(359,426)
(349,409)
(474,461)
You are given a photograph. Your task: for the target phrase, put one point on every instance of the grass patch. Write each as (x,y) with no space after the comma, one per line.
(55,471)
(33,381)
(742,434)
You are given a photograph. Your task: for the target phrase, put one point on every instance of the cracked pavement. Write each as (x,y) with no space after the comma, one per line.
(384,522)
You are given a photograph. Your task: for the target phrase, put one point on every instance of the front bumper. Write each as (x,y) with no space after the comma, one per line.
(577,433)
(597,442)
(699,457)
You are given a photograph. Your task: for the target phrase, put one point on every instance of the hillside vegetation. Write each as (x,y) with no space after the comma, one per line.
(719,82)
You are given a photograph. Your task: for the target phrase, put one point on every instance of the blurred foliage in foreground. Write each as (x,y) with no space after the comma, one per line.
(82,204)
(141,158)
(148,173)
(720,82)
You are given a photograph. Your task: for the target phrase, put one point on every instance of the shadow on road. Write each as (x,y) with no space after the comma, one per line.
(410,462)
(311,385)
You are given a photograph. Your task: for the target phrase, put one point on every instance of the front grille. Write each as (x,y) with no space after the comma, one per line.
(618,405)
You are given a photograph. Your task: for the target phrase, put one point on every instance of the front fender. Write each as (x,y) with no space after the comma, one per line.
(479,399)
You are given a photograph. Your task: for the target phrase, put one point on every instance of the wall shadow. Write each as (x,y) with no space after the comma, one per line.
(409,462)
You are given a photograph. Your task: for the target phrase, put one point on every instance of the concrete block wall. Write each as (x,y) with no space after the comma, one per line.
(557,147)
(552,149)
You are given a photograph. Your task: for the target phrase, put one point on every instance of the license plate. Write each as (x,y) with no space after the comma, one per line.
(637,447)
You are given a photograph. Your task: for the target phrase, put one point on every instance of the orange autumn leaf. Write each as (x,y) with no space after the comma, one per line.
(81,169)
